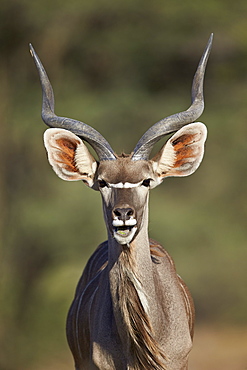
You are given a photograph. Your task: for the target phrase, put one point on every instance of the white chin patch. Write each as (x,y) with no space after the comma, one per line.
(124,235)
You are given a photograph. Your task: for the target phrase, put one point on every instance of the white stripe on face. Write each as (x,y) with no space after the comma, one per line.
(125,185)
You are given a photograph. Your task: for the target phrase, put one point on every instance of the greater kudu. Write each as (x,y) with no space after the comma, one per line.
(131,310)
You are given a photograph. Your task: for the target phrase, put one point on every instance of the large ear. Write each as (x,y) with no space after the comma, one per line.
(182,153)
(69,156)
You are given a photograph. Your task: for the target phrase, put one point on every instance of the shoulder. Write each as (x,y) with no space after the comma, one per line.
(96,263)
(159,254)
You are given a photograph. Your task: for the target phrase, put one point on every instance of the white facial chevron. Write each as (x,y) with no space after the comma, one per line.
(125,185)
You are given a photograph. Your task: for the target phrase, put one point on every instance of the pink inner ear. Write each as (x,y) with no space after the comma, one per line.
(188,150)
(183,149)
(182,153)
(183,140)
(66,153)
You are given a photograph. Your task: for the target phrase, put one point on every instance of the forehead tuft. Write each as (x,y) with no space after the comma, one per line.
(123,170)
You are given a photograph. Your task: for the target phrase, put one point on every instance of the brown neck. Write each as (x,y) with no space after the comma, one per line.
(133,293)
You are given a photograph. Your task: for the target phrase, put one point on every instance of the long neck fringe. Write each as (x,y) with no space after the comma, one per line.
(144,351)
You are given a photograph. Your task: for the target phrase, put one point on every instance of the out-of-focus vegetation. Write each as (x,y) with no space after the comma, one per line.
(119,66)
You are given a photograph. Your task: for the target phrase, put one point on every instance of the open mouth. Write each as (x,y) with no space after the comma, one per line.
(123,230)
(124,234)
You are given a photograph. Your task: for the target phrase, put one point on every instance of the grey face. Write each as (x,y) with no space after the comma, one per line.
(124,209)
(124,186)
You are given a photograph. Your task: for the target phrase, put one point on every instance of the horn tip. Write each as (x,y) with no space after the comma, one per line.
(210,41)
(31,49)
(209,44)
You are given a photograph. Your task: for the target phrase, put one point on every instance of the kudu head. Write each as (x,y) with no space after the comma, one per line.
(124,181)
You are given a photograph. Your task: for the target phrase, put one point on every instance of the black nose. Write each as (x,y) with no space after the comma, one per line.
(123,214)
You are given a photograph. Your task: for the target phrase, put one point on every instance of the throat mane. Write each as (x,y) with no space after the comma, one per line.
(143,350)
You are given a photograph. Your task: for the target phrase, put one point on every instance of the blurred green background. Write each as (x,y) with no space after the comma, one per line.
(119,66)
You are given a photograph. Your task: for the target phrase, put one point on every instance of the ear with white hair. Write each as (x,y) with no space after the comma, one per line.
(69,156)
(182,153)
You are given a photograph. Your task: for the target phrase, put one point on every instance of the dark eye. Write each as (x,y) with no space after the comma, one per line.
(102,183)
(146,183)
